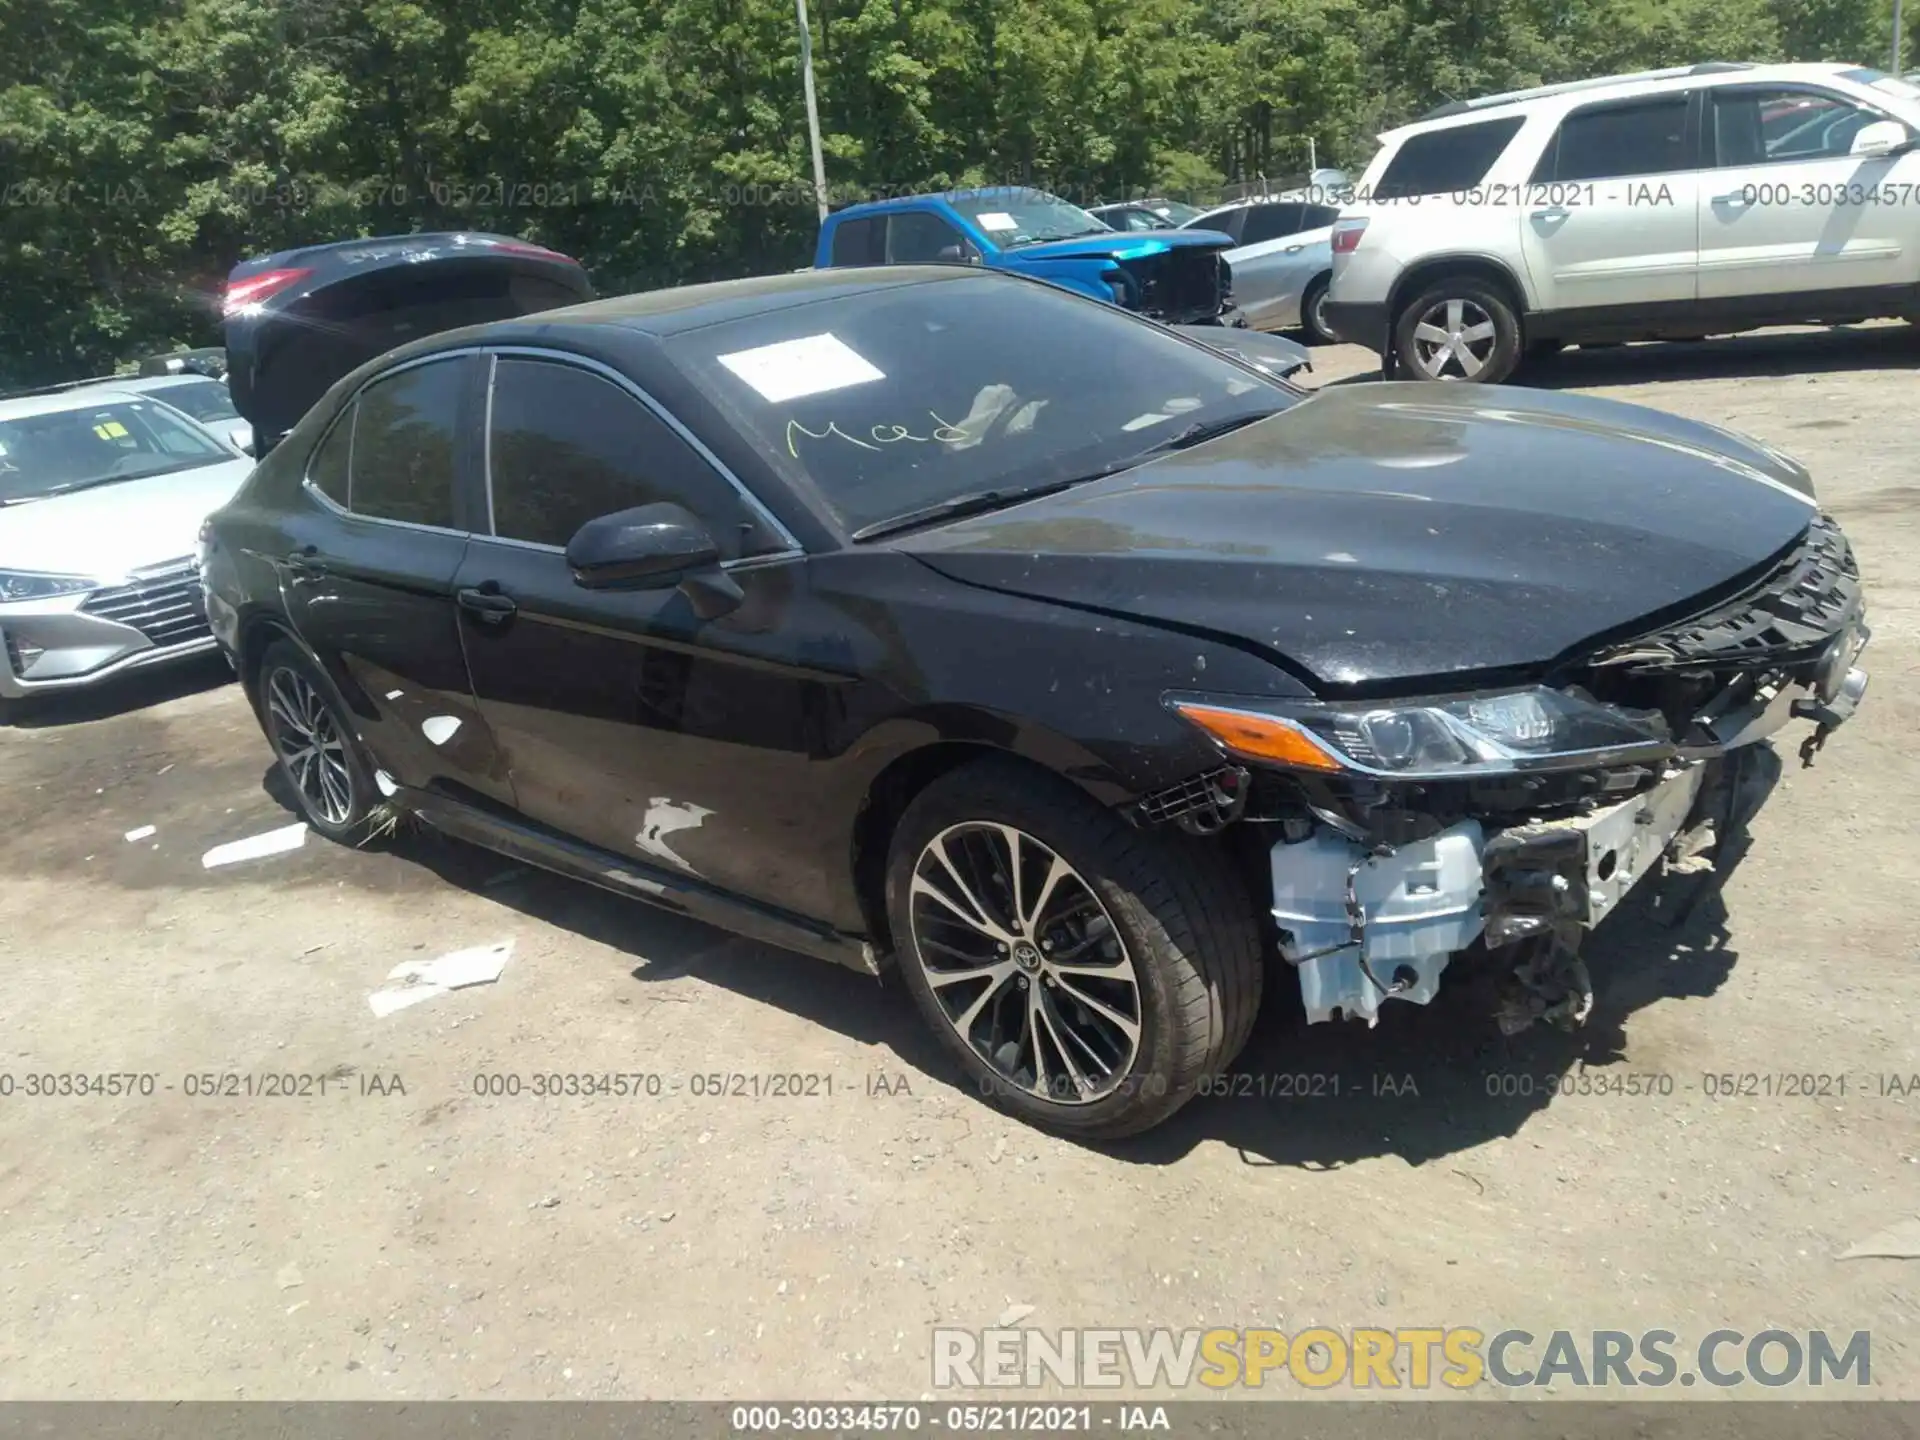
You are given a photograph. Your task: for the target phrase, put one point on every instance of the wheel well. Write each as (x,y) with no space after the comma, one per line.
(1428,271)
(256,635)
(887,799)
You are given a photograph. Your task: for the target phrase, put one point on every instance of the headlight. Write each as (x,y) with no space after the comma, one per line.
(1535,729)
(20,585)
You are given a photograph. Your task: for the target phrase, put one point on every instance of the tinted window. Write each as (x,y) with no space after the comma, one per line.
(1437,161)
(1227,221)
(860,242)
(327,470)
(1647,138)
(1319,217)
(1270,222)
(915,237)
(896,399)
(567,447)
(403,446)
(1759,127)
(202,399)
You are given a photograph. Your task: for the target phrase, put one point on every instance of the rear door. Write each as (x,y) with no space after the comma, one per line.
(368,581)
(1609,220)
(625,719)
(1787,208)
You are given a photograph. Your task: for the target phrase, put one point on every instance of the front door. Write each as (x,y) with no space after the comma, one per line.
(1608,222)
(369,575)
(1788,209)
(627,720)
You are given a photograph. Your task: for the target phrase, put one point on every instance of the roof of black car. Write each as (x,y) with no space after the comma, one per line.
(690,307)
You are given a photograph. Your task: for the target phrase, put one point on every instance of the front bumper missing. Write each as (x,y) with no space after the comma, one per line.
(1366,925)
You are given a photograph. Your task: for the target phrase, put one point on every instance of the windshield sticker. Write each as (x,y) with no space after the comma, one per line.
(110,430)
(997,220)
(1141,422)
(792,369)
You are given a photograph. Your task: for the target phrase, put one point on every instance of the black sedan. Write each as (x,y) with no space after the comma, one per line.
(942,618)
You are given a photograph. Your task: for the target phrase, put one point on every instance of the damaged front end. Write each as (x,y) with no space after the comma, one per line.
(1400,834)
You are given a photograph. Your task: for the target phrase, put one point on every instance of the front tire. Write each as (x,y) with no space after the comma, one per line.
(320,756)
(1459,328)
(1087,976)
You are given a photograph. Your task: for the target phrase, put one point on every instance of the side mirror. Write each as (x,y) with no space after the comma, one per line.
(1881,140)
(649,547)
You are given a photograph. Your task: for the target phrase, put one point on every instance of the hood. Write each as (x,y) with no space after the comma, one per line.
(1382,533)
(111,530)
(1122,245)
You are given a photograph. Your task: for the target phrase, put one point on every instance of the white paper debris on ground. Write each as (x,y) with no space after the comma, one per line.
(810,365)
(395,694)
(1899,1241)
(257,847)
(142,833)
(417,980)
(440,728)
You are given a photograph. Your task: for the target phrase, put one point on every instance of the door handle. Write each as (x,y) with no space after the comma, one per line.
(305,565)
(1295,249)
(1734,201)
(1552,212)
(486,603)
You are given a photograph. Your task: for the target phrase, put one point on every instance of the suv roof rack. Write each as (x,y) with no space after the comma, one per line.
(1539,92)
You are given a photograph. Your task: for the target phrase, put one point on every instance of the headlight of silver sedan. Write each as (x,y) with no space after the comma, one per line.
(26,585)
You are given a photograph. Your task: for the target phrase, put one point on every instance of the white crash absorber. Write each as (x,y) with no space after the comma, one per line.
(1420,902)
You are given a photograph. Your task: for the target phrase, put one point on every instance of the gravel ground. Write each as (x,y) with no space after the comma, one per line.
(404,1236)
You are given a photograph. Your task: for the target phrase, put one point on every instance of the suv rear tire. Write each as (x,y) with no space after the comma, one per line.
(1133,976)
(1460,327)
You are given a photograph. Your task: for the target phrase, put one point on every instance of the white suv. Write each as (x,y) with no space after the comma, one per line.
(1667,205)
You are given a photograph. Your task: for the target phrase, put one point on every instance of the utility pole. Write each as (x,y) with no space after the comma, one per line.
(813,110)
(1896,37)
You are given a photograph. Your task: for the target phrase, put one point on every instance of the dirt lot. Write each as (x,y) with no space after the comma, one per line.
(435,1243)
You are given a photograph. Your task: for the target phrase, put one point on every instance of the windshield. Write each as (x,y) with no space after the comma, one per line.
(894,400)
(1174,212)
(1904,87)
(205,400)
(63,450)
(1026,217)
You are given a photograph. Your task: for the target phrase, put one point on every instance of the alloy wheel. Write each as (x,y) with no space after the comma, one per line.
(1319,315)
(1454,335)
(310,745)
(1025,962)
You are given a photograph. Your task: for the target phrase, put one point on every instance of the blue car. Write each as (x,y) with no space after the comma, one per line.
(1174,276)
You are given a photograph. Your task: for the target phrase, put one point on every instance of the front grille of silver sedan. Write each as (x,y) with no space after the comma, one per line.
(163,602)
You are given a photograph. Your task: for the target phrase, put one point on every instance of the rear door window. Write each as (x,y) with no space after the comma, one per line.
(1435,162)
(402,461)
(1228,221)
(860,242)
(1271,222)
(1611,142)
